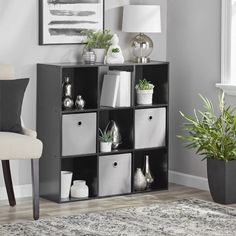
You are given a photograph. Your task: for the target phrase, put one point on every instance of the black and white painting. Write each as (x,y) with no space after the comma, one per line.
(67,21)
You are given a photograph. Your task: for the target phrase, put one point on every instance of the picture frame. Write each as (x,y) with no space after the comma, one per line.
(67,21)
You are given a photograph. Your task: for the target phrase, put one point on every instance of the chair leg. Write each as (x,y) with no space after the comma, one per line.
(35,186)
(8,182)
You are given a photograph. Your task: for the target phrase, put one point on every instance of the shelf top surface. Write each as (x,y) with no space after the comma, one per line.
(127,63)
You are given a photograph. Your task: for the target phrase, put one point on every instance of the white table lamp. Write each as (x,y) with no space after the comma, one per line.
(141,19)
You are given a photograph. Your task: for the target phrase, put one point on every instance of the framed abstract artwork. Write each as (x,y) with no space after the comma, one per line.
(67,21)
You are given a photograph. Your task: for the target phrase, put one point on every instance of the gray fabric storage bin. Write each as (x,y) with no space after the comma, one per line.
(150,127)
(79,134)
(114,174)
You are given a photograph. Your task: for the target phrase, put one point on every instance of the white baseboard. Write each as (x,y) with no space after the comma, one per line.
(19,190)
(188,180)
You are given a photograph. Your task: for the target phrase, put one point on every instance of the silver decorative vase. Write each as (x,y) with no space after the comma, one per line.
(113,129)
(79,102)
(89,57)
(140,182)
(147,173)
(67,101)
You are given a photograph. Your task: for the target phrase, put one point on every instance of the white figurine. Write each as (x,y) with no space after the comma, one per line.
(114,53)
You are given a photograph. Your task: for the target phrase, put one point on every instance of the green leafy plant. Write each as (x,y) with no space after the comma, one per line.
(143,84)
(105,136)
(115,50)
(212,133)
(99,39)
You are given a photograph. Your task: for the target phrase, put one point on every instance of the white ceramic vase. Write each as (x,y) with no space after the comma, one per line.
(144,97)
(140,182)
(79,189)
(100,54)
(66,178)
(105,146)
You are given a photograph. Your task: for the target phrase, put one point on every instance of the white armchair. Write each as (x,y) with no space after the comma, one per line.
(14,146)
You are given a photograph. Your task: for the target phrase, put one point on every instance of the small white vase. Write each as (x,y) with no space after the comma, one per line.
(66,177)
(100,54)
(144,97)
(140,182)
(79,189)
(105,146)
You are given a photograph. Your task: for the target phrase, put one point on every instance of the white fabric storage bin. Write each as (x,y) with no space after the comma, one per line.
(114,174)
(79,134)
(150,127)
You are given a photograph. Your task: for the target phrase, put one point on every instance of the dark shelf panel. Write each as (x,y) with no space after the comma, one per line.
(114,108)
(151,106)
(150,149)
(75,111)
(118,151)
(78,156)
(150,190)
(126,63)
(71,199)
(67,200)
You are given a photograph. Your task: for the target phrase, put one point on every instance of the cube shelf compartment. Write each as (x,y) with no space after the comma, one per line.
(70,137)
(158,161)
(124,120)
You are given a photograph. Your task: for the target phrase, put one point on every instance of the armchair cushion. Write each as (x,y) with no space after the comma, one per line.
(11,98)
(18,147)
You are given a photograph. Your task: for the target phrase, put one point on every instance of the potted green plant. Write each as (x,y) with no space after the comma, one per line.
(99,41)
(213,134)
(144,91)
(115,52)
(105,138)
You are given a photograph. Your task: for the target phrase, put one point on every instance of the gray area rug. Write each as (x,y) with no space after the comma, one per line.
(182,217)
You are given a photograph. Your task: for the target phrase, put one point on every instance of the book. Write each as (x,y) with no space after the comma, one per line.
(124,91)
(109,92)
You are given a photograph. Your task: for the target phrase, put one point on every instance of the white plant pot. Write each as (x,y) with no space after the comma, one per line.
(105,147)
(100,54)
(79,189)
(144,97)
(66,177)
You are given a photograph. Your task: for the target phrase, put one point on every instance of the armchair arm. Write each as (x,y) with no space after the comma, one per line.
(29,132)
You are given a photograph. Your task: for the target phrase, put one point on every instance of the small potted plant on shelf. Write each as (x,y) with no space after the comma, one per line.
(213,134)
(115,52)
(99,41)
(105,138)
(144,91)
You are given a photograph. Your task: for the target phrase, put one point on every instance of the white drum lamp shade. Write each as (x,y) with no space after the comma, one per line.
(141,19)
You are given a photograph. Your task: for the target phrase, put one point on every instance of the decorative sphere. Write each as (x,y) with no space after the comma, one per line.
(142,46)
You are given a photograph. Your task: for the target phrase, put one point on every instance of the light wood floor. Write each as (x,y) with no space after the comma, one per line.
(23,210)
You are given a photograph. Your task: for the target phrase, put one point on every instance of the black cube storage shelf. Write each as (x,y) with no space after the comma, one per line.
(87,81)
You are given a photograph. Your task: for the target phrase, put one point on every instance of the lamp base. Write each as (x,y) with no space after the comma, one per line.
(142,60)
(141,48)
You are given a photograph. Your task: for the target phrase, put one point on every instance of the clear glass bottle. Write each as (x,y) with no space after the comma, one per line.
(147,173)
(79,102)
(67,101)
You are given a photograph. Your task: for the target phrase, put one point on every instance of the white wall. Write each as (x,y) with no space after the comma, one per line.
(19,46)
(193,49)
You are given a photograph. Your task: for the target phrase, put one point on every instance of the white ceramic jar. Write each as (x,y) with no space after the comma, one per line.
(79,189)
(140,182)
